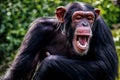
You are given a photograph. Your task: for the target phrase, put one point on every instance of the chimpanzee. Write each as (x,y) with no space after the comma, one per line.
(78,41)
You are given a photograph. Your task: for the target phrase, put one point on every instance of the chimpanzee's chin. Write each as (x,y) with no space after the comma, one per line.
(81,53)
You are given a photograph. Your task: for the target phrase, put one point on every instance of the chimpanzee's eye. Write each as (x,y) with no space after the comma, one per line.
(78,17)
(90,18)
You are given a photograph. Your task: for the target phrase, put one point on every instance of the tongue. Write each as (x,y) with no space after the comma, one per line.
(82,40)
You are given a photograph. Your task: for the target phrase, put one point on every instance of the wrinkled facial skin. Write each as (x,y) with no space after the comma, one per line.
(82,22)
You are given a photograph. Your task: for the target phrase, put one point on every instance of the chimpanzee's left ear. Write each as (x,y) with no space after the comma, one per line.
(60,11)
(97,11)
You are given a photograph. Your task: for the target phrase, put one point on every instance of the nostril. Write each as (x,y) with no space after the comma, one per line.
(85,24)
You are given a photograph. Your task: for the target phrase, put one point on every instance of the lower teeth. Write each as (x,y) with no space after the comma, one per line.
(85,45)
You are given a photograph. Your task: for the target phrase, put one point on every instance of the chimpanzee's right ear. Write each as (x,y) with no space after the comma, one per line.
(60,11)
(97,11)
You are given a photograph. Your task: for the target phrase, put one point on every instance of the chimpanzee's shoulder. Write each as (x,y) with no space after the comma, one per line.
(46,23)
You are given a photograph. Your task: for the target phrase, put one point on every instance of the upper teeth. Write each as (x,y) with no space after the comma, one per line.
(83,46)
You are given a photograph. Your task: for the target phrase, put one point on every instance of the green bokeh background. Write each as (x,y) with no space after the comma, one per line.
(16,16)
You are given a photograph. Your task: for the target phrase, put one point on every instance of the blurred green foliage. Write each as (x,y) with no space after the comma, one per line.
(116,34)
(16,16)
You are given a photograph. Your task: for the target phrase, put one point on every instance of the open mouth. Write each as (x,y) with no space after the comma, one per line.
(82,41)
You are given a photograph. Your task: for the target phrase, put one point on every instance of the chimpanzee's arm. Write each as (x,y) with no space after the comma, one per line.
(52,68)
(31,50)
(63,68)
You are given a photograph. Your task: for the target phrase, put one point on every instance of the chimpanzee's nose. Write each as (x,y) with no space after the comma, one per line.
(85,24)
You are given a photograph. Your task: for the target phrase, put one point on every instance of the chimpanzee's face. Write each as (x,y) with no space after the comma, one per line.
(82,22)
(78,22)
